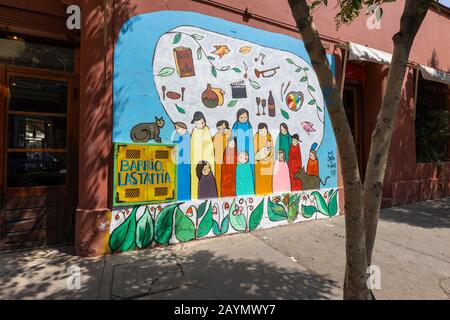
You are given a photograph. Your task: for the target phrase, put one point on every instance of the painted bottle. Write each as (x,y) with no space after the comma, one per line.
(271,104)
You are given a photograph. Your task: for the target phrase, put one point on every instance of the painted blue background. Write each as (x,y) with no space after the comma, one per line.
(136,98)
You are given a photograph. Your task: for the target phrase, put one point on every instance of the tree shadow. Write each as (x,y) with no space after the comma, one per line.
(427,214)
(160,274)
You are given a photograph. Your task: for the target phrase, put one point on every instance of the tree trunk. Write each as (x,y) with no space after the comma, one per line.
(356,254)
(412,18)
(362,205)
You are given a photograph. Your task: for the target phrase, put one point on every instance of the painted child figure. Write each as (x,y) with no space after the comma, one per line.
(281,177)
(312,168)
(245,173)
(183,140)
(229,164)
(206,183)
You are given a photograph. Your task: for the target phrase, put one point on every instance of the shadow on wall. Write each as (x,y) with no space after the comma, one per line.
(159,274)
(96,121)
(427,214)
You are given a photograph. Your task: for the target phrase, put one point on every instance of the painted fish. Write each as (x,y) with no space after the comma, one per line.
(221,50)
(308,127)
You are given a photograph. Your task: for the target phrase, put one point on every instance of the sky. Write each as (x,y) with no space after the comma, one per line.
(445,2)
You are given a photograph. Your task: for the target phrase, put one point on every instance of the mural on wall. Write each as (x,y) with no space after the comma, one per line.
(245,110)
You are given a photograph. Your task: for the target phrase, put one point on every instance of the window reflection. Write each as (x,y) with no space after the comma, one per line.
(27,169)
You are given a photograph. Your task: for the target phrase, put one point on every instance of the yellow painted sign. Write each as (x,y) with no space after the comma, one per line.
(144,174)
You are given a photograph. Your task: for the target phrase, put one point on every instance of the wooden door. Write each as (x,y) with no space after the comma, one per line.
(38,166)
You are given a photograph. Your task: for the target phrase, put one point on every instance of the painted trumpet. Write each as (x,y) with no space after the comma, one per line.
(268,73)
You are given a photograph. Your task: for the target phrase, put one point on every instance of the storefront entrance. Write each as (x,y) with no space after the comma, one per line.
(37,164)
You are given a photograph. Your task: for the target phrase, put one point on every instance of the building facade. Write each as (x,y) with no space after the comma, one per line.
(167,121)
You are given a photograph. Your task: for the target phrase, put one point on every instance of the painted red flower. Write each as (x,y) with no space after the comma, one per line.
(227,206)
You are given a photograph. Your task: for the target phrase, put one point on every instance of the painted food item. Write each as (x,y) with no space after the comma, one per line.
(294,100)
(212,97)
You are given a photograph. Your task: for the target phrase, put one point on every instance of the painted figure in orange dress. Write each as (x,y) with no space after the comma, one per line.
(263,145)
(220,143)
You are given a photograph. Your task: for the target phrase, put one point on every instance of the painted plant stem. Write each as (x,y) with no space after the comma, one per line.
(226,68)
(308,85)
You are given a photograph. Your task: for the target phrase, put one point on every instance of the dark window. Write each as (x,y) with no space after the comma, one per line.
(432,122)
(37,132)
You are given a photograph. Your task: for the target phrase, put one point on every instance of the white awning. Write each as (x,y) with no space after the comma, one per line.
(362,53)
(432,74)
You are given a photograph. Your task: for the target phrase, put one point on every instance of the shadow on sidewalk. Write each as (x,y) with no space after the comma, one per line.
(427,214)
(206,274)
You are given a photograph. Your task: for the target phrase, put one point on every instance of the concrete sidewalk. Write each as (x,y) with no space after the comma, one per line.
(302,261)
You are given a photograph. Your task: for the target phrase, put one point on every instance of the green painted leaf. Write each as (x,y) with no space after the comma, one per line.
(276,211)
(166,72)
(211,58)
(299,69)
(290,61)
(226,68)
(206,224)
(285,114)
(177,38)
(145,230)
(319,108)
(333,204)
(256,217)
(255,84)
(322,206)
(294,208)
(311,88)
(199,53)
(237,70)
(225,224)
(197,37)
(238,221)
(304,79)
(306,68)
(184,227)
(312,102)
(232,103)
(201,210)
(180,109)
(164,225)
(123,237)
(308,211)
(216,228)
(214,71)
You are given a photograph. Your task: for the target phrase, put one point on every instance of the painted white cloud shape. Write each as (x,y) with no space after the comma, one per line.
(221,61)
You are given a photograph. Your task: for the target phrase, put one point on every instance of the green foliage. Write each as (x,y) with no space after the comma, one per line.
(184,227)
(123,237)
(145,230)
(206,224)
(164,225)
(256,216)
(432,137)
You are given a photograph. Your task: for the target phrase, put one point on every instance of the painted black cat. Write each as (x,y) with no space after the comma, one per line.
(145,132)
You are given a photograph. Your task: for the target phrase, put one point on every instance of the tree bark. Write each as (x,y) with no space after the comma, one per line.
(356,254)
(413,15)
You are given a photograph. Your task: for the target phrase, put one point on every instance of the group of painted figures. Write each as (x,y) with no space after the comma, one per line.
(234,163)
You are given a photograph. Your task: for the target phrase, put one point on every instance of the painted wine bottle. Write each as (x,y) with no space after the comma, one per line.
(271,105)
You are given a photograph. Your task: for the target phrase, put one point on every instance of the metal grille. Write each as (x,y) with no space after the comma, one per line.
(133,154)
(132,193)
(162,154)
(431,107)
(161,192)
